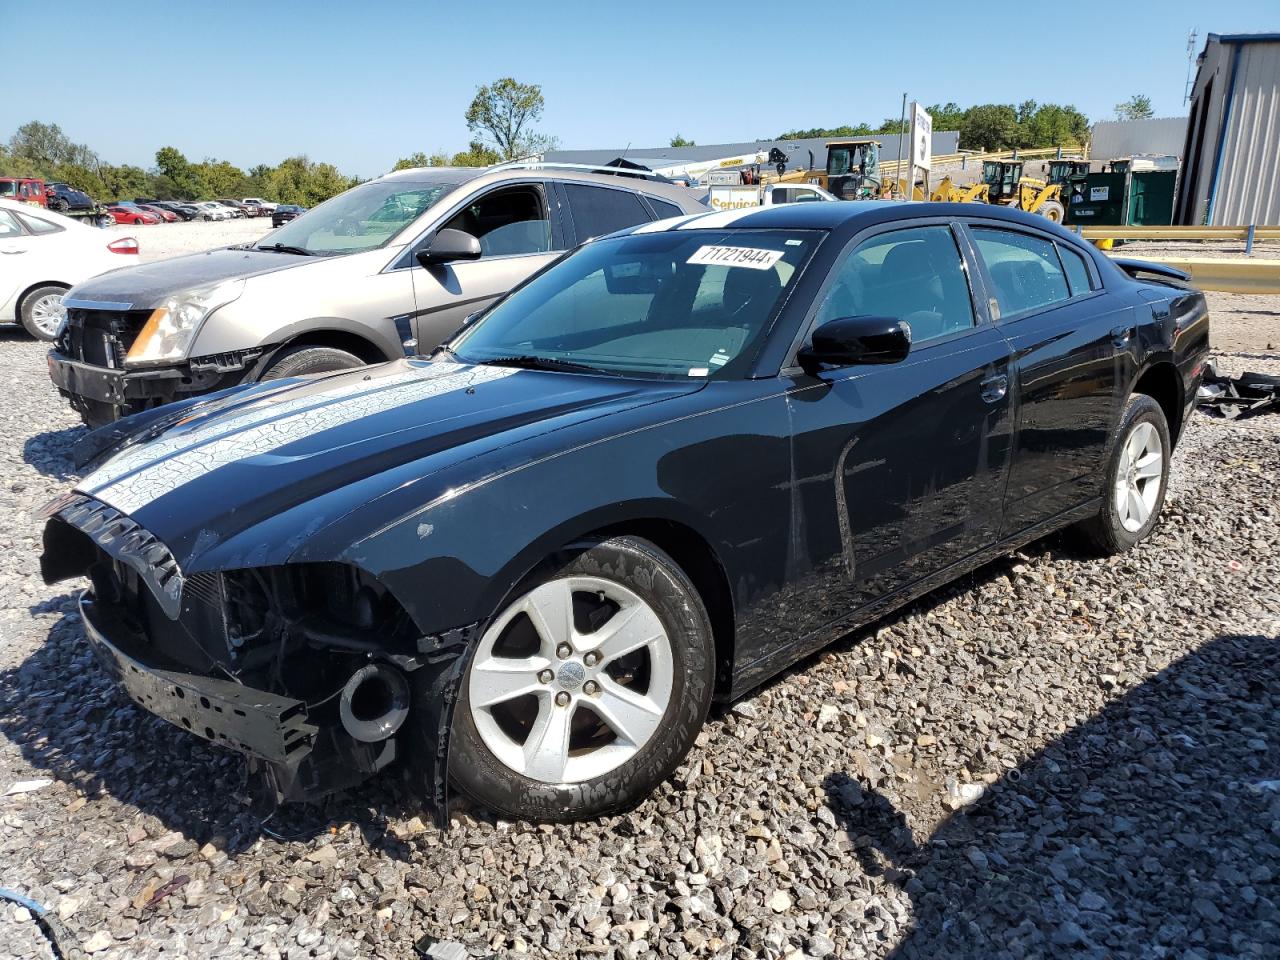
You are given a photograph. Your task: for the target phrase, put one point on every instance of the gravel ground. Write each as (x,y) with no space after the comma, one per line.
(1057,756)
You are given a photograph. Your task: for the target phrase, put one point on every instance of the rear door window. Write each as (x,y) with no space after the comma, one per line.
(599,211)
(1024,270)
(1077,271)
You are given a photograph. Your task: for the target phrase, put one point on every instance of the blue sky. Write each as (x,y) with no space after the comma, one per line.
(362,83)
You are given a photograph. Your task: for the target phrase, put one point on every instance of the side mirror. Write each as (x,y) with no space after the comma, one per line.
(449,245)
(851,340)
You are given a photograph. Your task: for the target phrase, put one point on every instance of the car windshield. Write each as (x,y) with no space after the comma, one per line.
(679,303)
(363,218)
(8,188)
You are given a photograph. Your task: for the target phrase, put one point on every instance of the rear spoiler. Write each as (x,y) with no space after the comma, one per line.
(1151,269)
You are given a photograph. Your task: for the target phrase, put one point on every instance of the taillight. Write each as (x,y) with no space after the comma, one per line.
(123,245)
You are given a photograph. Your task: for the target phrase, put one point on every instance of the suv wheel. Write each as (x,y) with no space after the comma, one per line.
(588,688)
(41,312)
(1135,481)
(301,360)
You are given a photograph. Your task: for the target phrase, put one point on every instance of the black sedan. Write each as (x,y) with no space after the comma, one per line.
(650,477)
(285,212)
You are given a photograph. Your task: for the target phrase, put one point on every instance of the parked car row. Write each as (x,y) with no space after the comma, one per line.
(147,211)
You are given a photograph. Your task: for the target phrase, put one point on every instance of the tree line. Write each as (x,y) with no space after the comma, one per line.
(985,126)
(42,150)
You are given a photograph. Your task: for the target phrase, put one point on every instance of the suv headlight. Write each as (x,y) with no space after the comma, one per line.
(170,329)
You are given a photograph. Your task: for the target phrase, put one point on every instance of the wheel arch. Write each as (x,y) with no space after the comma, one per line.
(663,525)
(31,288)
(1161,381)
(352,343)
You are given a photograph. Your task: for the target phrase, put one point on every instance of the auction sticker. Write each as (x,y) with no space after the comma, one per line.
(750,257)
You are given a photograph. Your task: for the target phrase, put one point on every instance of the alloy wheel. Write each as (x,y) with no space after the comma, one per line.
(1139,476)
(572,680)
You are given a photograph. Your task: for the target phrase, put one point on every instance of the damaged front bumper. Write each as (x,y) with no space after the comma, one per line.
(318,707)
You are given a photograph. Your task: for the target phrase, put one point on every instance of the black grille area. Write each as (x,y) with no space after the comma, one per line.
(101,337)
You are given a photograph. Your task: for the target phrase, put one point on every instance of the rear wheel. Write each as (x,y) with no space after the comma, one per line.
(587,689)
(1135,480)
(41,312)
(301,360)
(1053,211)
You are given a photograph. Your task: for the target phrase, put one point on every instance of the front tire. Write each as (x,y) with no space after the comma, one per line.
(41,312)
(1136,479)
(588,688)
(302,360)
(1053,211)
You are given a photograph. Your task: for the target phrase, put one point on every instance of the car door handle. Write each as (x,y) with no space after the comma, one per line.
(994,388)
(1120,336)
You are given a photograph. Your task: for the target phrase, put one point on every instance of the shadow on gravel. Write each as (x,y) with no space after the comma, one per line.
(1152,829)
(70,722)
(50,452)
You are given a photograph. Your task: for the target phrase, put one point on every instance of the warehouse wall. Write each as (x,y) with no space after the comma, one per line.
(1231,169)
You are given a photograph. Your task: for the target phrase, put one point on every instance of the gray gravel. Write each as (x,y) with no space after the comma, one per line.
(1059,756)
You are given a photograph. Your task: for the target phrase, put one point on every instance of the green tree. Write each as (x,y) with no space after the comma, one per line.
(182,177)
(991,126)
(298,180)
(1137,107)
(476,155)
(418,159)
(679,141)
(505,112)
(946,116)
(223,179)
(45,144)
(860,130)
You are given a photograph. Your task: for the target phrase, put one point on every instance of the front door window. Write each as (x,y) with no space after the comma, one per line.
(508,222)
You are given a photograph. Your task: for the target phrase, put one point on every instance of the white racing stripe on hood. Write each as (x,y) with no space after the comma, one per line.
(154,469)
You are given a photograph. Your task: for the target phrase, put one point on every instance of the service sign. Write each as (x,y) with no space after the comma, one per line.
(734,197)
(921,137)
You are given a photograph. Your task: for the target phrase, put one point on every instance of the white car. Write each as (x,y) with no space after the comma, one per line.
(42,254)
(264,205)
(213,211)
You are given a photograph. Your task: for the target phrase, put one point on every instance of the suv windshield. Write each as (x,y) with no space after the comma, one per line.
(363,218)
(681,303)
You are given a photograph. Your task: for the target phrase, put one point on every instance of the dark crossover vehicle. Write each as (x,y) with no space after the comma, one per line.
(652,475)
(285,212)
(63,197)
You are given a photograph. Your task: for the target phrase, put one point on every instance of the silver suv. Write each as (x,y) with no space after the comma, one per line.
(375,273)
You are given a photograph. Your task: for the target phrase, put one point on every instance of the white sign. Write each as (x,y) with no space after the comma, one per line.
(921,137)
(1099,193)
(734,198)
(751,257)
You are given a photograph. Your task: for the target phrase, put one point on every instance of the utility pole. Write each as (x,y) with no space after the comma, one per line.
(897,174)
(1191,55)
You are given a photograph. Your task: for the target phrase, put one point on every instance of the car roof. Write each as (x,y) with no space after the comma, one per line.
(833,215)
(624,178)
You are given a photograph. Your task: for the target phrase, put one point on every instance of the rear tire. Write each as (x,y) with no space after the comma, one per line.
(302,360)
(41,312)
(654,677)
(1135,481)
(1052,211)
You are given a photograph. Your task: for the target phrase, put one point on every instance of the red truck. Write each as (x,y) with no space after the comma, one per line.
(35,191)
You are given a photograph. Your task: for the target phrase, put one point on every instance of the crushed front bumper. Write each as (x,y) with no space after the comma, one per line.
(302,760)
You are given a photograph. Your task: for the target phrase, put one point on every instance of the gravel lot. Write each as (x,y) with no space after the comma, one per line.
(1057,756)
(161,240)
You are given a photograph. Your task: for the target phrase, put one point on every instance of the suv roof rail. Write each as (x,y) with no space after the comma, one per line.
(587,167)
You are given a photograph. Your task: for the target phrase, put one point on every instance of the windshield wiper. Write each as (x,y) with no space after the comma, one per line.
(285,248)
(533,362)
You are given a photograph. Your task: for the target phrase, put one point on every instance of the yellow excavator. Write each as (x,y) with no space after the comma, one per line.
(1002,182)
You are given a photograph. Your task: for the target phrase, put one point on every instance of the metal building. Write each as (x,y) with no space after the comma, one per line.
(1231,160)
(1159,136)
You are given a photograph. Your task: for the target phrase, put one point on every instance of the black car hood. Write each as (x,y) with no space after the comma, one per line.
(148,285)
(317,448)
